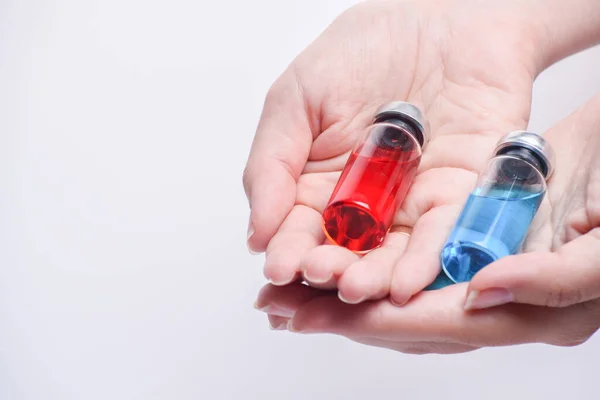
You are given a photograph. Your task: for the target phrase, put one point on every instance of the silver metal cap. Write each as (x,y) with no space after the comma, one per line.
(407,112)
(533,142)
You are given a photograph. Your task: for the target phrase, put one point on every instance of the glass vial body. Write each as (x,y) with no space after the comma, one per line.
(498,213)
(375,180)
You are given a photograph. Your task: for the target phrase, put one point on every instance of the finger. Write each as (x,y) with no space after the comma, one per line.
(438,316)
(322,266)
(434,188)
(369,277)
(420,263)
(569,276)
(277,323)
(278,155)
(329,165)
(314,189)
(416,348)
(375,319)
(283,301)
(300,232)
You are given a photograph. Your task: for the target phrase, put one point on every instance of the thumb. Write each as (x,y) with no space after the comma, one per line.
(277,157)
(568,276)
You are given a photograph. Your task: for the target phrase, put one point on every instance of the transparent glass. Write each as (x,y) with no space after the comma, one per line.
(495,220)
(373,184)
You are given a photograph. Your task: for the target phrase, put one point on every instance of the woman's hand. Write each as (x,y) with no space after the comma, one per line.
(469,64)
(557,282)
(561,266)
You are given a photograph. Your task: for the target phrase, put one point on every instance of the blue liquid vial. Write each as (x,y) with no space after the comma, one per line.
(499,211)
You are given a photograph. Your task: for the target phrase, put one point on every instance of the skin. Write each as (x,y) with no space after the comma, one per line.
(470,66)
(553,292)
(377,52)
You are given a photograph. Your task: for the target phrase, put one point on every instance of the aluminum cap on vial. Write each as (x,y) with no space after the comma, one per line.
(407,112)
(533,142)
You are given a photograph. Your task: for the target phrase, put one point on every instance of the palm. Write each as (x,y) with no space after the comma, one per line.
(472,90)
(573,192)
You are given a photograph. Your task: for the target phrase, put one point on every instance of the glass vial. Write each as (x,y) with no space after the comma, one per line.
(495,220)
(376,178)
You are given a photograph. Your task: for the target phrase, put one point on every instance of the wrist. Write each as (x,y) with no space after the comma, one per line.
(562,28)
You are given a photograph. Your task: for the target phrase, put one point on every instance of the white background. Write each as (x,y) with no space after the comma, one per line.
(124,130)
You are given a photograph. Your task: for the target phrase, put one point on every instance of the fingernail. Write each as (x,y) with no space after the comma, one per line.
(281,327)
(290,326)
(395,303)
(250,229)
(345,300)
(281,282)
(488,298)
(317,279)
(249,235)
(274,309)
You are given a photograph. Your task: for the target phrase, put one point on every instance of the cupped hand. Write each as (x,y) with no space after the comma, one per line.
(468,64)
(549,294)
(561,264)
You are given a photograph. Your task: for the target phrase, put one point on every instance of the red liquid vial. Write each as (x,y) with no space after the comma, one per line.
(376,178)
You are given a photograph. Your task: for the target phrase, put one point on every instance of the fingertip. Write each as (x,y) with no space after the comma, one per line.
(398,301)
(400,290)
(355,287)
(280,268)
(257,243)
(500,273)
(278,323)
(279,276)
(315,271)
(405,286)
(272,197)
(524,278)
(253,248)
(351,298)
(369,277)
(322,265)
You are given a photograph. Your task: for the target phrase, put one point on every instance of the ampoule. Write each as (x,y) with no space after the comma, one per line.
(495,220)
(376,178)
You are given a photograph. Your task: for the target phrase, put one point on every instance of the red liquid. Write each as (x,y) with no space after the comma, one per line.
(372,186)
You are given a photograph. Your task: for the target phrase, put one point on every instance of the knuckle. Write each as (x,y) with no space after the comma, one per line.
(277,91)
(563,297)
(273,94)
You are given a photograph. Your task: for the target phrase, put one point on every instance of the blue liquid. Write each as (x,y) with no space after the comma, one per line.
(440,282)
(490,227)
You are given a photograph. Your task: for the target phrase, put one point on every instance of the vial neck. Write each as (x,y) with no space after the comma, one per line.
(526,155)
(404,124)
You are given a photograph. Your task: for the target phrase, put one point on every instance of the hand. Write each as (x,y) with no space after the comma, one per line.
(469,64)
(557,284)
(561,263)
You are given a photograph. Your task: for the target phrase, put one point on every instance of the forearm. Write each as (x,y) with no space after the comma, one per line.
(563,28)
